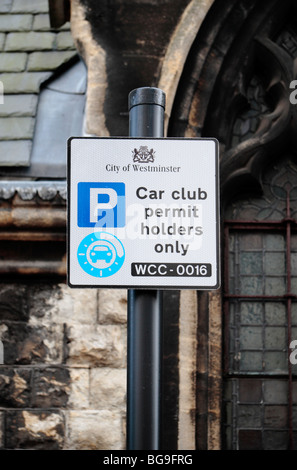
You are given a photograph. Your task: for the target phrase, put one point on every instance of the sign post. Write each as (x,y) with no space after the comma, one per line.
(143,214)
(145,315)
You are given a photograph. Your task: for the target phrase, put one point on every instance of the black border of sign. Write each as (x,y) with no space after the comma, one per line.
(154,287)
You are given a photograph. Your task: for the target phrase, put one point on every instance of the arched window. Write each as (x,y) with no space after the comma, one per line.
(260,307)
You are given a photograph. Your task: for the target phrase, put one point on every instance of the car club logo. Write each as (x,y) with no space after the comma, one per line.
(143,155)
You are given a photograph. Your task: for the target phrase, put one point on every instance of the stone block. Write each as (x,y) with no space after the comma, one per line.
(79,391)
(15,388)
(108,388)
(65,41)
(9,23)
(13,61)
(95,430)
(112,306)
(32,344)
(13,302)
(96,345)
(51,387)
(19,105)
(32,41)
(41,22)
(2,41)
(15,152)
(33,6)
(23,82)
(36,430)
(16,128)
(60,304)
(5,6)
(48,60)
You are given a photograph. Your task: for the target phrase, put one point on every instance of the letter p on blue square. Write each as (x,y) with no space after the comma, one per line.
(101,205)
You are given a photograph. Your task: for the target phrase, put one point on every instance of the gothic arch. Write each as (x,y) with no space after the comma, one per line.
(242,48)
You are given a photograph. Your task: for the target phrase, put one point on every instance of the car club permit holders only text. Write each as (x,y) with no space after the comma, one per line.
(143,213)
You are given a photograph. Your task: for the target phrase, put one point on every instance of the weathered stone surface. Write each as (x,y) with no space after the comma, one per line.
(51,388)
(112,306)
(23,82)
(16,128)
(34,430)
(64,41)
(80,388)
(41,22)
(19,105)
(14,302)
(48,60)
(13,62)
(108,388)
(96,345)
(95,430)
(2,40)
(25,344)
(34,6)
(32,41)
(15,152)
(15,387)
(5,6)
(10,23)
(60,304)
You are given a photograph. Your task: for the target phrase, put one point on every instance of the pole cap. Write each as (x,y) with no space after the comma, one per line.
(146,95)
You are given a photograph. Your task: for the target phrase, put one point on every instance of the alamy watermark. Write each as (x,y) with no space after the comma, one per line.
(293,355)
(293,94)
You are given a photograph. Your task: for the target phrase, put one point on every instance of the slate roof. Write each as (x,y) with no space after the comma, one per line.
(36,97)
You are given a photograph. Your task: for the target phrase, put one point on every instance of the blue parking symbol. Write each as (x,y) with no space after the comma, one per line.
(101,205)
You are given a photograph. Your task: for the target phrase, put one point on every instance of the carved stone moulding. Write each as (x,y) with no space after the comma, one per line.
(32,229)
(236,87)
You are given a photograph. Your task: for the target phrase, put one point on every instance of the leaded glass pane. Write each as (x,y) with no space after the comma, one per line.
(249,416)
(258,414)
(275,440)
(251,338)
(275,338)
(278,182)
(276,313)
(251,285)
(257,264)
(258,337)
(251,313)
(275,285)
(275,416)
(250,361)
(275,361)
(275,391)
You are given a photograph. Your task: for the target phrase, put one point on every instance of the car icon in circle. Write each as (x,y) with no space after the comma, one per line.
(101,252)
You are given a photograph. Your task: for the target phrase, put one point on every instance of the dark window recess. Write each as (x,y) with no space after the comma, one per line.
(260,306)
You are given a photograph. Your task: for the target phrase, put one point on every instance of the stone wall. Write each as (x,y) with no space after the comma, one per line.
(63,381)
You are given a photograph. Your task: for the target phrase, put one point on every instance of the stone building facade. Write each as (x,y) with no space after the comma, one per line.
(226,68)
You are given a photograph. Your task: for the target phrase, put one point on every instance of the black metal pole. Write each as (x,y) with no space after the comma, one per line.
(145,316)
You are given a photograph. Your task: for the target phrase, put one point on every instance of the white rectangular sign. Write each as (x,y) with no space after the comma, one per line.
(143,213)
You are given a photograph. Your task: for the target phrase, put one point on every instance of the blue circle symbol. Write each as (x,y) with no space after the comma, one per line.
(101,254)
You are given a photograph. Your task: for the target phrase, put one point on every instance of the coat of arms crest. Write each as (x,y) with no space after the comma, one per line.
(143,155)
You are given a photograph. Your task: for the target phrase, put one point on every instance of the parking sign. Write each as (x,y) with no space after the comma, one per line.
(143,213)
